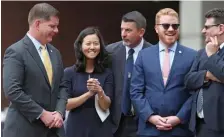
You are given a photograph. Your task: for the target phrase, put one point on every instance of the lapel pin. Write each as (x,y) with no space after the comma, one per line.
(180,51)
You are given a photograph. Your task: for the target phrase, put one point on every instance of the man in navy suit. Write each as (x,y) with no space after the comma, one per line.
(157,86)
(206,78)
(133,27)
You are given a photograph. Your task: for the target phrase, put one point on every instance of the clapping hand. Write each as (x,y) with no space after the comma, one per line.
(93,85)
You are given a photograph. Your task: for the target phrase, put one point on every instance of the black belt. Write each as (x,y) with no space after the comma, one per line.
(200,120)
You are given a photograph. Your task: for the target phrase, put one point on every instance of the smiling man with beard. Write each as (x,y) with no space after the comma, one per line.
(157,86)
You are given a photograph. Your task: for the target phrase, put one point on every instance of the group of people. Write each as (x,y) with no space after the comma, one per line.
(162,90)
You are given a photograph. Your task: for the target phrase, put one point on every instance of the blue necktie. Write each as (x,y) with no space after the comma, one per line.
(126,101)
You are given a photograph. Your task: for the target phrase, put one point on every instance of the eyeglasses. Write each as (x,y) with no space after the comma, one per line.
(209,26)
(166,26)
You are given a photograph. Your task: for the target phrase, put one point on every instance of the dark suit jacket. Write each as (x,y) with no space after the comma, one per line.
(118,56)
(27,87)
(151,97)
(213,92)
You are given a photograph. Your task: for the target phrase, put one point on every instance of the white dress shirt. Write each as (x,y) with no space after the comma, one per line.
(136,49)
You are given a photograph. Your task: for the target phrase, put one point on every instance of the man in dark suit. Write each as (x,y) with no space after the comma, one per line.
(32,73)
(206,78)
(157,86)
(124,54)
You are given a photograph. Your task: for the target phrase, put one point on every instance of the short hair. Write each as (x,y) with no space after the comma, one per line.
(42,11)
(165,11)
(136,17)
(217,14)
(101,60)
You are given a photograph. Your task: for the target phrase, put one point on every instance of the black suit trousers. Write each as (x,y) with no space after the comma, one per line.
(128,127)
(203,131)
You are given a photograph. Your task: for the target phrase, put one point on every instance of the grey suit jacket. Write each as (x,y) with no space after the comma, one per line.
(213,92)
(118,58)
(27,87)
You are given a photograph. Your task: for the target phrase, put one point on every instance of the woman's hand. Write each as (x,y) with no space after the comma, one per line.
(94,86)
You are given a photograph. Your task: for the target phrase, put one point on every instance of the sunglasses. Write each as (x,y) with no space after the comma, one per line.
(209,26)
(166,26)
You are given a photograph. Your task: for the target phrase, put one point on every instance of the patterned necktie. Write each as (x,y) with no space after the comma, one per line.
(166,66)
(47,63)
(126,101)
(200,101)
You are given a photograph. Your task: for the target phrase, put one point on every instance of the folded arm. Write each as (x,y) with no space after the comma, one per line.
(215,65)
(195,78)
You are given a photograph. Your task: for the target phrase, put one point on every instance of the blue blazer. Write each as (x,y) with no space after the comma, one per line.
(150,97)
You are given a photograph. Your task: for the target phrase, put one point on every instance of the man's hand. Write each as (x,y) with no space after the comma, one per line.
(47,118)
(159,122)
(210,76)
(172,120)
(58,120)
(212,46)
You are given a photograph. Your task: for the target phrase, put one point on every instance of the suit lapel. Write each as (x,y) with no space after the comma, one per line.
(177,60)
(121,55)
(221,52)
(157,65)
(33,52)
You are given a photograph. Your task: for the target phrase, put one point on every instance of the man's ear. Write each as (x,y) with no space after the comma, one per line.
(37,23)
(221,32)
(156,28)
(142,32)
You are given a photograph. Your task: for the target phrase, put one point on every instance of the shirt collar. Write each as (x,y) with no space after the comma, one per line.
(137,48)
(222,45)
(172,48)
(36,43)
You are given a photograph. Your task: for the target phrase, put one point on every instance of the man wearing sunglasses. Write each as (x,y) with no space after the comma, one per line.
(206,78)
(157,86)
